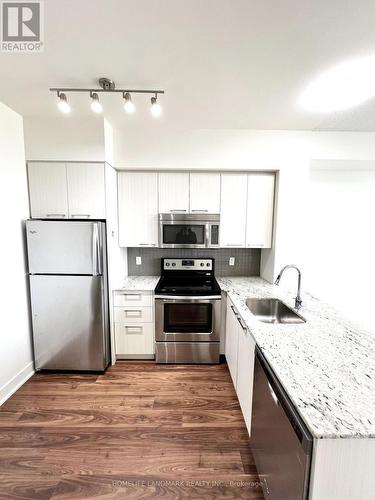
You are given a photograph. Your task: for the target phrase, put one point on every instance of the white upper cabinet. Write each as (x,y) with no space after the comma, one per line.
(86,188)
(173,192)
(233,210)
(60,190)
(48,190)
(205,193)
(138,209)
(260,203)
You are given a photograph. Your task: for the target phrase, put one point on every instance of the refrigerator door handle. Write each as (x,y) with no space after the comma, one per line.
(99,250)
(95,244)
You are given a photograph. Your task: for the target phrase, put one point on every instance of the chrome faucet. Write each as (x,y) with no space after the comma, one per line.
(298,300)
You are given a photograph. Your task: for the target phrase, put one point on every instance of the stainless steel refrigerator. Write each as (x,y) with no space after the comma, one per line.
(69,294)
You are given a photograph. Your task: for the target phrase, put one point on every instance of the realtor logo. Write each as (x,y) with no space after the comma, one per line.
(21,26)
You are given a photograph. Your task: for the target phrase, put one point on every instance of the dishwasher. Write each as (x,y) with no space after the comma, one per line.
(280,441)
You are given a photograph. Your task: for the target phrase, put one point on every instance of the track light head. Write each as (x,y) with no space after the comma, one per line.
(95,103)
(156,110)
(128,104)
(62,103)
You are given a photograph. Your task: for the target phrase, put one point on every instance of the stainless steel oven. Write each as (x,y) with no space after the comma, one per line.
(177,230)
(187,312)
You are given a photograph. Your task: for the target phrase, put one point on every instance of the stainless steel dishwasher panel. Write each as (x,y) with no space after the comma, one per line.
(280,441)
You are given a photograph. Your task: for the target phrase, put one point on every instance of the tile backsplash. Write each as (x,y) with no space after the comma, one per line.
(247,260)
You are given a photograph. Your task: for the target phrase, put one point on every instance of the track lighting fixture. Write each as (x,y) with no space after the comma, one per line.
(155,107)
(128,104)
(62,103)
(108,86)
(95,103)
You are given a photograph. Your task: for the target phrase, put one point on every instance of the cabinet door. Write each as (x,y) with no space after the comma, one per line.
(138,209)
(48,190)
(260,202)
(233,210)
(173,192)
(231,342)
(204,193)
(245,374)
(86,190)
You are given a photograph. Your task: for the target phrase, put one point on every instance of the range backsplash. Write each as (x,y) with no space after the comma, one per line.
(247,261)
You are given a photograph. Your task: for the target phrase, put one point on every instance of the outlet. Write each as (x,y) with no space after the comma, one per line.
(232,261)
(138,261)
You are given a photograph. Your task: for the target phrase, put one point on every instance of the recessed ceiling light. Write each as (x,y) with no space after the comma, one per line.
(344,86)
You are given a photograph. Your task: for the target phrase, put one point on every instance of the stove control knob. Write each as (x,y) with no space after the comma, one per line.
(167,264)
(173,264)
(208,264)
(202,264)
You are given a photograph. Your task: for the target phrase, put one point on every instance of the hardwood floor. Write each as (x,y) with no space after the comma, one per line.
(139,431)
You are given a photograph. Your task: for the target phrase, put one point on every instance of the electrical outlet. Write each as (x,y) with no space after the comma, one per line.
(232,260)
(138,261)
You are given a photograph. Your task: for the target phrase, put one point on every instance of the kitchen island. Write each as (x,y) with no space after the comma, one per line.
(327,368)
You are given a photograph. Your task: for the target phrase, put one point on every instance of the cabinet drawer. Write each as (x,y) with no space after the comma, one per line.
(133,298)
(134,339)
(133,314)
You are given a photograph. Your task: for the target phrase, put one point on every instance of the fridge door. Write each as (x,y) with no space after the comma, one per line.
(64,247)
(69,322)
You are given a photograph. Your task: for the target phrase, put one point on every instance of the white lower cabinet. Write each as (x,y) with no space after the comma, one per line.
(245,374)
(134,325)
(240,354)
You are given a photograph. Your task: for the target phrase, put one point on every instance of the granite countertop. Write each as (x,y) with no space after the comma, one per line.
(141,283)
(326,365)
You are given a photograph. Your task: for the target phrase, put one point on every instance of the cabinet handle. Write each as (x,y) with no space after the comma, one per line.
(234,245)
(133,313)
(178,210)
(147,244)
(242,325)
(199,210)
(56,215)
(234,311)
(132,296)
(81,215)
(134,330)
(255,245)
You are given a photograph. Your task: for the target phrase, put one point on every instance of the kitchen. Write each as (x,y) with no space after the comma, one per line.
(187,289)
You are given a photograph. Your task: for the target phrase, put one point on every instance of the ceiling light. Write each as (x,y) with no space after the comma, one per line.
(155,107)
(95,103)
(344,86)
(128,105)
(63,104)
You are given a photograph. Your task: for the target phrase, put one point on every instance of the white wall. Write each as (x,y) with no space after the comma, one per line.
(16,357)
(65,138)
(340,243)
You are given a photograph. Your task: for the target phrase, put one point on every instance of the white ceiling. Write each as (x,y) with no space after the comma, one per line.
(224,64)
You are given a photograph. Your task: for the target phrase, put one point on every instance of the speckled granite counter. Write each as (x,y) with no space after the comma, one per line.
(326,365)
(141,283)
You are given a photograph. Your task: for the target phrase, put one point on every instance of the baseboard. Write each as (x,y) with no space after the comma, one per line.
(15,383)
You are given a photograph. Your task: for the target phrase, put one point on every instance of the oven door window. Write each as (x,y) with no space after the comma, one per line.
(184,234)
(188,318)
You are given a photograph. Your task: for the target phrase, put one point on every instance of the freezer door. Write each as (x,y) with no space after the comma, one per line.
(64,247)
(69,322)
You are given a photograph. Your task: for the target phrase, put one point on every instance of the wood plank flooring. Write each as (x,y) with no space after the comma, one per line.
(139,431)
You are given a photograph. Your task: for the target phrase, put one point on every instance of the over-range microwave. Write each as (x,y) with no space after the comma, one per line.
(189,230)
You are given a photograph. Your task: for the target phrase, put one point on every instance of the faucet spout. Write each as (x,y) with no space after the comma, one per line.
(298,300)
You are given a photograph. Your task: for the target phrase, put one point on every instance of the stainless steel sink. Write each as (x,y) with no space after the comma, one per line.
(273,311)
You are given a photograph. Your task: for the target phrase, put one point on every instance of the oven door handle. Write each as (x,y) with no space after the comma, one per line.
(188,297)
